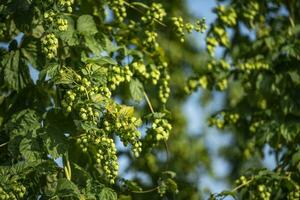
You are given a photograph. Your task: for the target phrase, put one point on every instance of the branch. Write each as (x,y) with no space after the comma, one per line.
(145,191)
(149,103)
(2,145)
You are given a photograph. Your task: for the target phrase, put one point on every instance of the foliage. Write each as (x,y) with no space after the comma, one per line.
(103,76)
(110,86)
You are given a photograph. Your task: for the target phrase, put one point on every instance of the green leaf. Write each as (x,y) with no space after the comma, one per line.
(136,90)
(107,194)
(16,74)
(56,125)
(22,127)
(140,4)
(69,36)
(296,158)
(93,44)
(23,123)
(31,52)
(103,60)
(51,70)
(30,149)
(38,31)
(168,174)
(99,74)
(295,77)
(86,25)
(133,186)
(109,46)
(66,188)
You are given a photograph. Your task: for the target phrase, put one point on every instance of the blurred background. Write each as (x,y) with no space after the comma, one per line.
(197,111)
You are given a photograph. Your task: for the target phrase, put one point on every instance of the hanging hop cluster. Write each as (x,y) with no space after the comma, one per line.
(66,5)
(52,19)
(194,83)
(50,45)
(164,88)
(294,195)
(227,16)
(221,35)
(222,84)
(126,128)
(49,16)
(255,125)
(159,131)
(83,91)
(119,75)
(139,68)
(221,65)
(16,191)
(118,7)
(264,192)
(151,37)
(251,11)
(106,156)
(217,36)
(62,24)
(211,44)
(253,65)
(155,13)
(181,27)
(164,84)
(154,75)
(223,118)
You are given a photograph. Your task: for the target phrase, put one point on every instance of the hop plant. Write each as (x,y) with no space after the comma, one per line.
(50,45)
(195,82)
(150,39)
(118,7)
(125,126)
(13,191)
(159,131)
(155,13)
(227,16)
(253,65)
(66,5)
(119,75)
(154,75)
(106,156)
(139,68)
(49,16)
(211,43)
(181,27)
(62,24)
(251,11)
(222,84)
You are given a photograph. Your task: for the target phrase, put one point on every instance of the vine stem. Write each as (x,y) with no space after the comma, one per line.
(67,168)
(148,102)
(135,8)
(2,145)
(145,191)
(242,185)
